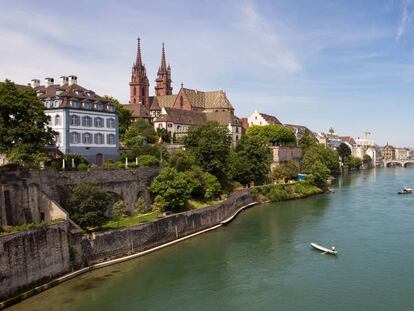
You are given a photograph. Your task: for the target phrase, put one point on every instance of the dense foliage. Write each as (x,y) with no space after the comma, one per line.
(23,124)
(87,205)
(139,132)
(124,115)
(273,134)
(210,145)
(344,151)
(322,154)
(252,160)
(287,171)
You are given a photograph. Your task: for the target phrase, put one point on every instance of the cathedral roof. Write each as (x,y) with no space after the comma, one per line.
(138,110)
(162,101)
(223,118)
(208,100)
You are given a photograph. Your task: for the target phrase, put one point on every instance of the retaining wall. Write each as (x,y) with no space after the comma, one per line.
(30,257)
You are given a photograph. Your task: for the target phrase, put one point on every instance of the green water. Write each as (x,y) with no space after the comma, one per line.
(263,261)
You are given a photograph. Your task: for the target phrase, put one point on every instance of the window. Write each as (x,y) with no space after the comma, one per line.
(110,123)
(87,138)
(57,119)
(74,104)
(159,125)
(87,105)
(99,122)
(237,129)
(181,102)
(99,106)
(169,124)
(99,139)
(135,91)
(57,138)
(87,121)
(75,120)
(111,108)
(75,138)
(111,139)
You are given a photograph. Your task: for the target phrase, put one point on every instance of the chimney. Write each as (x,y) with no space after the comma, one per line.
(35,83)
(63,80)
(73,80)
(49,81)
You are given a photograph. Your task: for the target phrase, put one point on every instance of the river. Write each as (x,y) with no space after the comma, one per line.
(263,261)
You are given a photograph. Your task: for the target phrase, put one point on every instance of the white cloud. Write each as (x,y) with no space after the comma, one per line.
(405,19)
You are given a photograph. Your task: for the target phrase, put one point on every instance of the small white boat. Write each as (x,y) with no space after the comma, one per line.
(406,191)
(324,250)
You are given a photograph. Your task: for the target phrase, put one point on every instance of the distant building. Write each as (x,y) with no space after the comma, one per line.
(299,130)
(329,139)
(348,140)
(258,118)
(402,154)
(388,152)
(177,112)
(85,123)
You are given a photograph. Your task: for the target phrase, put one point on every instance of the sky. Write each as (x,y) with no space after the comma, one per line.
(323,63)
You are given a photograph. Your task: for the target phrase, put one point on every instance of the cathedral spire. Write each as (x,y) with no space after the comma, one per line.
(138,61)
(163,66)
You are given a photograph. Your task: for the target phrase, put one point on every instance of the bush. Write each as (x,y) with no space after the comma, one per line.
(212,187)
(148,160)
(118,211)
(82,167)
(141,207)
(87,205)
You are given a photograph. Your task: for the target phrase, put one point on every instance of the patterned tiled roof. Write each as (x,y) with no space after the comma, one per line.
(223,117)
(208,100)
(162,101)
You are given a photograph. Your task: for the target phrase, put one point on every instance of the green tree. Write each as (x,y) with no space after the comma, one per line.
(139,131)
(171,190)
(212,187)
(124,115)
(274,134)
(253,160)
(23,124)
(367,160)
(87,205)
(318,175)
(288,171)
(148,160)
(344,151)
(164,135)
(182,160)
(210,145)
(307,140)
(119,211)
(353,163)
(323,154)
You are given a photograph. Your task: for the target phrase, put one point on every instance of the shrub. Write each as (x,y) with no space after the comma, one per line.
(82,167)
(119,210)
(212,187)
(141,207)
(148,160)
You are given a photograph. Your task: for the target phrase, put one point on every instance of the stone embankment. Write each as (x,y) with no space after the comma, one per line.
(30,258)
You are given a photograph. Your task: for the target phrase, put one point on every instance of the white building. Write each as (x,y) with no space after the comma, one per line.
(85,123)
(258,118)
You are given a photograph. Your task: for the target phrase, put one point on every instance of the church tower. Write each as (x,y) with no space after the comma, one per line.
(139,85)
(163,81)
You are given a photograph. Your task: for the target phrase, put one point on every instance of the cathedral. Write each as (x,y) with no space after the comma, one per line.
(177,112)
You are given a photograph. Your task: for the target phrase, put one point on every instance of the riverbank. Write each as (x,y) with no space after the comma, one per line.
(101,249)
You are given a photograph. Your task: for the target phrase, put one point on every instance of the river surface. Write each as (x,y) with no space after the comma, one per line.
(263,261)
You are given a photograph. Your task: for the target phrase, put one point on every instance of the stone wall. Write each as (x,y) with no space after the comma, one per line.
(33,256)
(111,244)
(35,196)
(282,154)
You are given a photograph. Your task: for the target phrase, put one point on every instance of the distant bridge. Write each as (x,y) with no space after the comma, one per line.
(402,163)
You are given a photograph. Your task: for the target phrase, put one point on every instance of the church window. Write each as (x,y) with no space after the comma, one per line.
(181,102)
(135,91)
(135,101)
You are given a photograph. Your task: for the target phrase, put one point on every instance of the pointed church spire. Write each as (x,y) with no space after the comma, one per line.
(163,66)
(138,61)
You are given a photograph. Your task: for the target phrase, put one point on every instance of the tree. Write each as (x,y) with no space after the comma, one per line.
(124,115)
(344,151)
(87,205)
(171,190)
(323,154)
(307,140)
(119,210)
(318,175)
(148,160)
(139,131)
(288,171)
(23,124)
(353,163)
(274,134)
(253,160)
(210,145)
(164,135)
(212,187)
(367,160)
(182,160)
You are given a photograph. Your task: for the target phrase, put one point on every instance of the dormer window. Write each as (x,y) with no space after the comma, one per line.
(87,105)
(79,92)
(99,106)
(74,104)
(111,108)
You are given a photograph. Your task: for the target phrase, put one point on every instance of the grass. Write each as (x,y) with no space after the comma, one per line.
(12,229)
(194,204)
(129,221)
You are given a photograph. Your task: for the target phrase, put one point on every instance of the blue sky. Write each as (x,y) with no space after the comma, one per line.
(347,64)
